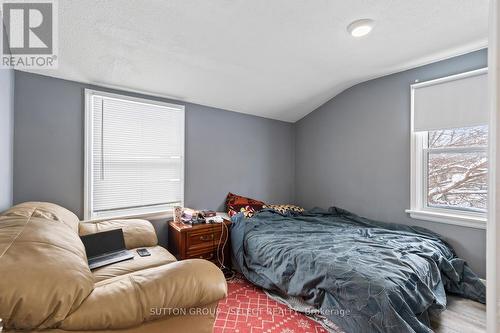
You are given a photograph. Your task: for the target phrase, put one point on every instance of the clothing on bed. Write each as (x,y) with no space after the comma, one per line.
(285,209)
(365,276)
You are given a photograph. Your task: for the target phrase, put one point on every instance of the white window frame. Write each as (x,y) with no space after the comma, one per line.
(88,185)
(418,184)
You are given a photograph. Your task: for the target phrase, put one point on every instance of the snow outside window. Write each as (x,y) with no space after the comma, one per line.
(456,169)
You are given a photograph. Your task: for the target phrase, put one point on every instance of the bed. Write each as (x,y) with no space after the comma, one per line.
(363,275)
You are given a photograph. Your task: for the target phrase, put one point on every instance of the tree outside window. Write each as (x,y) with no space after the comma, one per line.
(457,168)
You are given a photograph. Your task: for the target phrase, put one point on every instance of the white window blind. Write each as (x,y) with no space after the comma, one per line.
(135,155)
(452,102)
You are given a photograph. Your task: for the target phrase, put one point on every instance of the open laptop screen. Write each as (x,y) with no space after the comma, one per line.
(103,242)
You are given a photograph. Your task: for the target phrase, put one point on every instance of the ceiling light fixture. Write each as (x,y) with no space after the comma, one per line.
(360,28)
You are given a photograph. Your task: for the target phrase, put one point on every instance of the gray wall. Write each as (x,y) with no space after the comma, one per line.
(225,151)
(354,152)
(6,136)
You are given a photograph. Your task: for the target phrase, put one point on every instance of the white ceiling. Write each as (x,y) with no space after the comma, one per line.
(278,59)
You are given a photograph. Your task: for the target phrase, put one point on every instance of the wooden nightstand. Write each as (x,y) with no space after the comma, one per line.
(200,241)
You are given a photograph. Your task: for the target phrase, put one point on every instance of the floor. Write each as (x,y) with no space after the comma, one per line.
(462,316)
(247,309)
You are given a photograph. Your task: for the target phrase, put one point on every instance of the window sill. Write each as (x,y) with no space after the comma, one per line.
(145,216)
(448,218)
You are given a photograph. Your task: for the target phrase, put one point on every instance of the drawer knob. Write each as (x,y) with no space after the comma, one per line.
(207,237)
(210,256)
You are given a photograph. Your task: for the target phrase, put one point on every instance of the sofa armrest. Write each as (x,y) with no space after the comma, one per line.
(150,294)
(137,233)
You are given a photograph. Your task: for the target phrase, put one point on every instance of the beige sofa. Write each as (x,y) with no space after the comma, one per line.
(46,284)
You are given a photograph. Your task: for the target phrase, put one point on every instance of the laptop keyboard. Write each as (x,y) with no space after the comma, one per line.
(109,258)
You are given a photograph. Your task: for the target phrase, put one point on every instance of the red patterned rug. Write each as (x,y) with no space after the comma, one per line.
(247,309)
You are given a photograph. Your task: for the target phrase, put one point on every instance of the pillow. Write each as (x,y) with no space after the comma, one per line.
(236,203)
(286,209)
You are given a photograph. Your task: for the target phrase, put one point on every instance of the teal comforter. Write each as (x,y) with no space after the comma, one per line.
(365,276)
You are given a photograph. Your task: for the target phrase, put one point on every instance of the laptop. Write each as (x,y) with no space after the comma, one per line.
(105,248)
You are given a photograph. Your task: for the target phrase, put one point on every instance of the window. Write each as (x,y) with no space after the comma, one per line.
(449,176)
(456,169)
(134,155)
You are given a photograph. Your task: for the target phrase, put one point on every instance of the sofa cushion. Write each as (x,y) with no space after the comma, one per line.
(45,275)
(129,300)
(45,210)
(137,233)
(159,256)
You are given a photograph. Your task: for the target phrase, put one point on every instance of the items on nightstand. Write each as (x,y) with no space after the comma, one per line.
(214,219)
(208,213)
(193,217)
(177,214)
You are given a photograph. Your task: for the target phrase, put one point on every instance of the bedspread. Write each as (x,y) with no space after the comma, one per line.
(365,276)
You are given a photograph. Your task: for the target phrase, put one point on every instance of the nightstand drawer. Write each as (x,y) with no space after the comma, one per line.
(210,254)
(203,238)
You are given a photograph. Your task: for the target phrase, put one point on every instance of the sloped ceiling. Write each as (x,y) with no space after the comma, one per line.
(278,59)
